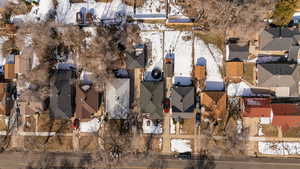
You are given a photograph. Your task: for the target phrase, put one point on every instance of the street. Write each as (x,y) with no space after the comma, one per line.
(22,160)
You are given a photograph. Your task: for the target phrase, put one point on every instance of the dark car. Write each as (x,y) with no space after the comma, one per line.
(75,124)
(166,105)
(184,156)
(198,119)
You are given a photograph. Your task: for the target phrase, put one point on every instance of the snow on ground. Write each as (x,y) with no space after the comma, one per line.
(177,44)
(152,7)
(38,12)
(239,126)
(149,127)
(279,148)
(93,33)
(152,26)
(176,10)
(181,145)
(155,57)
(212,57)
(90,126)
(172,127)
(2,58)
(239,89)
(35,61)
(66,12)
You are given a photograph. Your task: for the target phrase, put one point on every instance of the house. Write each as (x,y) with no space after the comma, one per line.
(199,72)
(117,98)
(214,103)
(183,101)
(9,71)
(259,107)
(62,94)
(282,78)
(237,51)
(286,115)
(278,41)
(87,101)
(138,58)
(151,100)
(169,67)
(234,70)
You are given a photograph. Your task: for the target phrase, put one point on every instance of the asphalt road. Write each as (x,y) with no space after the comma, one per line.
(21,160)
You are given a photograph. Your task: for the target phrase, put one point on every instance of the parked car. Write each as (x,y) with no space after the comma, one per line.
(184,156)
(166,105)
(75,124)
(198,119)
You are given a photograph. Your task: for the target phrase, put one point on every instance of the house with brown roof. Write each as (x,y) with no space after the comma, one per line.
(87,101)
(286,115)
(215,104)
(234,71)
(9,71)
(256,107)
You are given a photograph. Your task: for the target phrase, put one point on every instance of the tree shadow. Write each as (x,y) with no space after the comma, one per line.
(202,162)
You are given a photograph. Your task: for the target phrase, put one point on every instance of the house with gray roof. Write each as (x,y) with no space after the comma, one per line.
(151,100)
(117,98)
(137,59)
(183,101)
(62,94)
(283,78)
(237,51)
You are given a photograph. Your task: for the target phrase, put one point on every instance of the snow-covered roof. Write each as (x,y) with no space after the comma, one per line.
(181,145)
(149,127)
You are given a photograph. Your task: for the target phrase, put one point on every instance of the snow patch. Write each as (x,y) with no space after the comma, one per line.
(181,145)
(172,127)
(149,127)
(90,126)
(239,89)
(279,148)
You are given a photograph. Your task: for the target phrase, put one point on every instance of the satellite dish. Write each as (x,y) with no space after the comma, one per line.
(156,74)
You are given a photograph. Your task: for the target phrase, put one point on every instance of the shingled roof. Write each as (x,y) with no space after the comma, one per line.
(152,95)
(281,76)
(62,94)
(286,115)
(136,59)
(183,100)
(238,51)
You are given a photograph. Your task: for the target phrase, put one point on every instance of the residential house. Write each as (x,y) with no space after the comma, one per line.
(286,115)
(234,71)
(237,51)
(214,104)
(183,101)
(169,67)
(9,68)
(117,98)
(62,94)
(259,107)
(87,101)
(138,58)
(151,100)
(282,78)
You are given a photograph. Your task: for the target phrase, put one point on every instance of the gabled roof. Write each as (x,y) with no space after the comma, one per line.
(215,103)
(168,67)
(183,99)
(87,101)
(117,98)
(9,71)
(281,76)
(152,95)
(286,115)
(234,69)
(136,59)
(257,107)
(238,51)
(62,94)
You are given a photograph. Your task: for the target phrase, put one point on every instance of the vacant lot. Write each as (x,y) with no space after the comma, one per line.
(46,124)
(187,127)
(55,143)
(249,73)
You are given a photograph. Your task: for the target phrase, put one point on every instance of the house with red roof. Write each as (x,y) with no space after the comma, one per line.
(286,115)
(257,107)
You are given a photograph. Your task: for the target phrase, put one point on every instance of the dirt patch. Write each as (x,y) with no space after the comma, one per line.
(55,143)
(137,3)
(269,130)
(155,143)
(2,124)
(249,73)
(46,124)
(88,143)
(23,7)
(187,127)
(30,124)
(291,132)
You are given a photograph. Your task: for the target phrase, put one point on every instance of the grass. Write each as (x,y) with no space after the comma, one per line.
(188,126)
(269,130)
(46,124)
(212,38)
(88,143)
(291,132)
(55,143)
(249,73)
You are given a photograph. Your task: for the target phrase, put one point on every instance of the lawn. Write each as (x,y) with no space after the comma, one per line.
(269,130)
(155,143)
(46,124)
(187,127)
(291,132)
(55,143)
(212,38)
(88,143)
(249,73)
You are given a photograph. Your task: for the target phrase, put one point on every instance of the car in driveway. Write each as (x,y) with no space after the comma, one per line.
(198,119)
(166,105)
(184,156)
